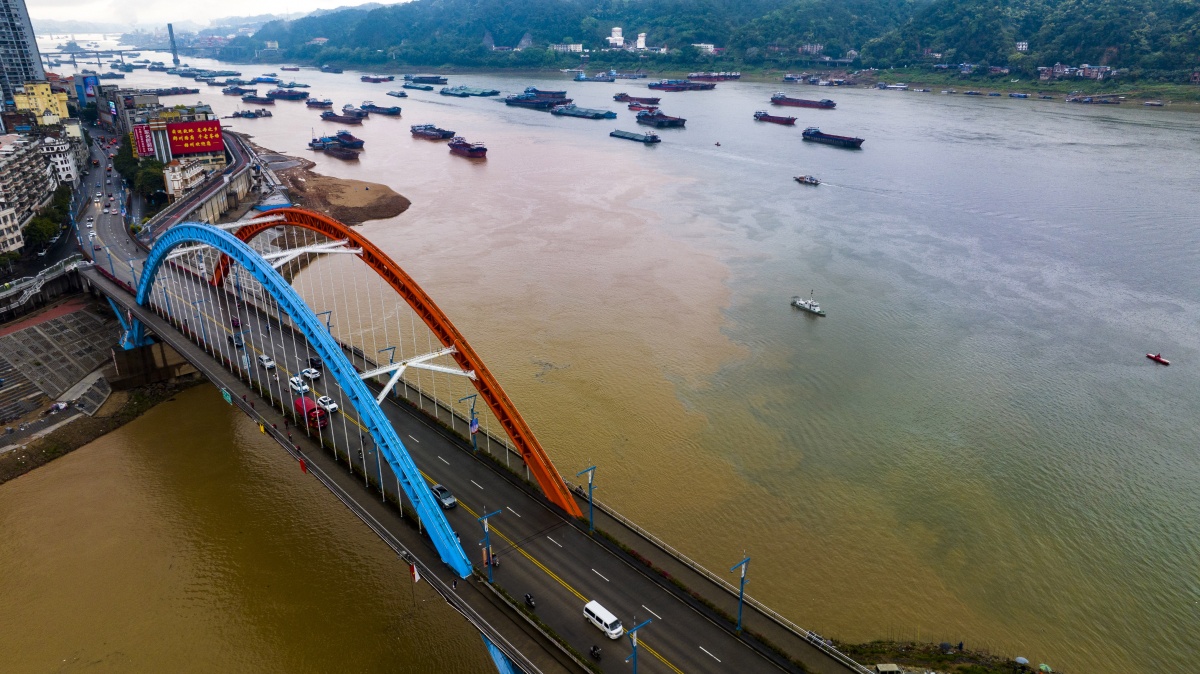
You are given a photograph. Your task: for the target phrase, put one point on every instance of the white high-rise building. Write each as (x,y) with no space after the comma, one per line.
(615,41)
(20,60)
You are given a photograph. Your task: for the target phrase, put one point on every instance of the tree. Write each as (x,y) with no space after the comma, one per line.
(149,178)
(89,113)
(39,232)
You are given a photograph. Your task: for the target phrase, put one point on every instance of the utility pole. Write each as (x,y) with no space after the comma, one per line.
(744,564)
(487,543)
(591,473)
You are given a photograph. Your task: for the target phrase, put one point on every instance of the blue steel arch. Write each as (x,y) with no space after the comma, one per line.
(336,365)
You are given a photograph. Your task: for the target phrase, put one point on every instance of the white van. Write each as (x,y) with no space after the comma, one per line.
(599,616)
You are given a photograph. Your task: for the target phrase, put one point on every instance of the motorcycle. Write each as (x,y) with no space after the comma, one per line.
(529,601)
(595,653)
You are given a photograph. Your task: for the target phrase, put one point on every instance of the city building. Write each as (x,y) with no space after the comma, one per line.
(184,132)
(182,176)
(615,40)
(20,60)
(119,107)
(47,105)
(641,41)
(27,183)
(1022,46)
(62,159)
(813,49)
(705,48)
(575,48)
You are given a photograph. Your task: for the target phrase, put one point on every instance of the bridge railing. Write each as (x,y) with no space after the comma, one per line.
(26,287)
(808,635)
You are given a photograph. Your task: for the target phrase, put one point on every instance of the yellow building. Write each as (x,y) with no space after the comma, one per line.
(36,97)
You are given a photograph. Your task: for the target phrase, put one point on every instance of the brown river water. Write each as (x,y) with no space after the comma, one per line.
(971,446)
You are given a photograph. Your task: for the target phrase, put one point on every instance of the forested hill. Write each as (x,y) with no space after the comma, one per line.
(1149,36)
(453,31)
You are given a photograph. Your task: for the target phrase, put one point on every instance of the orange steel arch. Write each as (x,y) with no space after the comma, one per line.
(437,321)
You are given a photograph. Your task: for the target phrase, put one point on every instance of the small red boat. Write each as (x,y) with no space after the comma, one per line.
(1157,357)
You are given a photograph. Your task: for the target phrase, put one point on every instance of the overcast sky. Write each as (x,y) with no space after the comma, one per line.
(162,11)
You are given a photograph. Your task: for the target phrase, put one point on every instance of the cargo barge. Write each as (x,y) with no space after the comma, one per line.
(398,94)
(258,100)
(781,98)
(320,103)
(658,120)
(425,78)
(764,116)
(586,113)
(430,132)
(418,87)
(647,138)
(390,111)
(682,85)
(239,91)
(626,98)
(331,116)
(460,146)
(462,91)
(351,111)
(813,134)
(377,79)
(287,94)
(714,77)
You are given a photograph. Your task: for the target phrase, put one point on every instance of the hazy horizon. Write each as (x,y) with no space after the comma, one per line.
(111,11)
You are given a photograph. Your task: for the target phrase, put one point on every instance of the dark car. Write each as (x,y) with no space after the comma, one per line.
(237,341)
(235,322)
(313,361)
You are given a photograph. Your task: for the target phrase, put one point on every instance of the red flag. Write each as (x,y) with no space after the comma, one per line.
(303,466)
(416,575)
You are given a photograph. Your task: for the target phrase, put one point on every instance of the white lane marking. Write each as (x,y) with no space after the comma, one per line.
(555,542)
(710,654)
(443,460)
(600,574)
(652,612)
(513,511)
(414,439)
(476,484)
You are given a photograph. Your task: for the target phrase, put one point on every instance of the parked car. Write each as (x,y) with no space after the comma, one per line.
(327,404)
(443,496)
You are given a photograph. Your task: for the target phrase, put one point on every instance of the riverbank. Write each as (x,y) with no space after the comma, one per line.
(121,408)
(352,202)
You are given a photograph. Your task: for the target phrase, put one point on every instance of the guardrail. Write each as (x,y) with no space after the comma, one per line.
(30,285)
(808,635)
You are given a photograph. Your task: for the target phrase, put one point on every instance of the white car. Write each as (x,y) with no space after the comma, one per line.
(90,225)
(327,404)
(311,373)
(106,209)
(266,361)
(91,235)
(298,385)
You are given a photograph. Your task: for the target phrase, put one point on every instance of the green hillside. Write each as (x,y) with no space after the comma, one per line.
(1151,38)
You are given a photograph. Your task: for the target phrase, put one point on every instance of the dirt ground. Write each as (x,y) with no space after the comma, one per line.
(352,202)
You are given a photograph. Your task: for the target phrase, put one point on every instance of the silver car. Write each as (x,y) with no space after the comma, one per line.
(443,496)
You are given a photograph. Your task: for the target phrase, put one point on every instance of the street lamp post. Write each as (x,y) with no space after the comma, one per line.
(474,425)
(633,640)
(487,542)
(591,473)
(744,564)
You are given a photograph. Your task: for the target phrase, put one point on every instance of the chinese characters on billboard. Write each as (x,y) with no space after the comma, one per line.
(143,141)
(194,137)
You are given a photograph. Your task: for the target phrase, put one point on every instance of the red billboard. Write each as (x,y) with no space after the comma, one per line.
(193,137)
(143,141)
